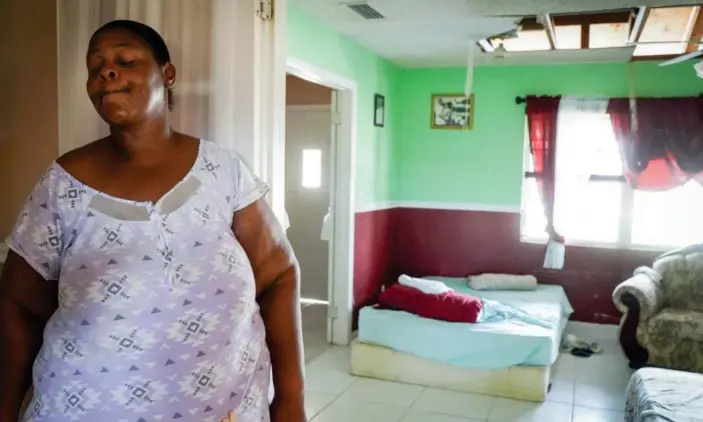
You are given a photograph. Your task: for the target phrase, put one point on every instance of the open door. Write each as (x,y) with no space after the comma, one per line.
(333,308)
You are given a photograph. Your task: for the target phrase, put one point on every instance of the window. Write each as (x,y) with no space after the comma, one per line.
(594,205)
(312,168)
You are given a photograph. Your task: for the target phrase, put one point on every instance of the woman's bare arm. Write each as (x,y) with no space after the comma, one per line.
(278,293)
(27,301)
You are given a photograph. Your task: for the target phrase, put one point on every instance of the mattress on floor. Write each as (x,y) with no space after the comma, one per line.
(477,346)
(516,382)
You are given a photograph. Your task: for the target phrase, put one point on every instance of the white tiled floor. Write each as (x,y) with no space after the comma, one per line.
(583,390)
(314,330)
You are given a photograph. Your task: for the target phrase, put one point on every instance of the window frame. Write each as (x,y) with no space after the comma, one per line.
(625,220)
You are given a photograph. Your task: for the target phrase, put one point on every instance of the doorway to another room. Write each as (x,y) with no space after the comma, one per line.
(308,188)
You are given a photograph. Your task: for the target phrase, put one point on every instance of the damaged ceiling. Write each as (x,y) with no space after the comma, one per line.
(439,33)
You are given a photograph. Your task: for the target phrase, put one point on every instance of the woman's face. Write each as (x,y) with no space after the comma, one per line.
(125,84)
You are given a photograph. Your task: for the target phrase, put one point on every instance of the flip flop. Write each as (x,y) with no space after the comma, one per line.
(572,342)
(595,348)
(581,352)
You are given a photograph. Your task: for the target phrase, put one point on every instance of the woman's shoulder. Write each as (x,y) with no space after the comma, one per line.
(80,162)
(217,156)
(62,181)
(213,150)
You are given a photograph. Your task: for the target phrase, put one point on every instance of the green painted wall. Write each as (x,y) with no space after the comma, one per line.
(484,165)
(321,46)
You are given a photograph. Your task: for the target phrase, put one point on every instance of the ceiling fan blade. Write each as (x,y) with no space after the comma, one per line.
(682,58)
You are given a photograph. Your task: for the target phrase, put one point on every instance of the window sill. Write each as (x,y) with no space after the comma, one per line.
(597,245)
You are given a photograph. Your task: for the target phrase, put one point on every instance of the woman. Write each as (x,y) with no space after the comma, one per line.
(142,257)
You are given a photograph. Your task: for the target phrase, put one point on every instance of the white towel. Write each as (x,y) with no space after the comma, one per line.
(430,287)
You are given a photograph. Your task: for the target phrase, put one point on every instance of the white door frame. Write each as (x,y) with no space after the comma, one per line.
(343,171)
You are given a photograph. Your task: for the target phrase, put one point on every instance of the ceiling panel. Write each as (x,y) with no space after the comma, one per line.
(522,7)
(604,35)
(427,33)
(430,9)
(568,37)
(664,32)
(559,56)
(468,28)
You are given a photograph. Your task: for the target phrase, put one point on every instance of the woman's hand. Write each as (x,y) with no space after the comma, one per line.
(288,410)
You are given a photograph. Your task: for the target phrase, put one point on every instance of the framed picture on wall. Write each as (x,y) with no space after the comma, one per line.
(452,111)
(379,110)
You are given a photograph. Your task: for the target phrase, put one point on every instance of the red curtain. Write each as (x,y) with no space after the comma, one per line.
(542,113)
(666,149)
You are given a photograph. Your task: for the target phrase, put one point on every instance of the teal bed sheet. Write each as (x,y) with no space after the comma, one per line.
(500,342)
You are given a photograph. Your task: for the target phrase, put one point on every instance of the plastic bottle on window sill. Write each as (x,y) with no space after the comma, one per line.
(554,255)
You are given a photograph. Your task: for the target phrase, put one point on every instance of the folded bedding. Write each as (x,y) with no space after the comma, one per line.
(448,306)
(515,328)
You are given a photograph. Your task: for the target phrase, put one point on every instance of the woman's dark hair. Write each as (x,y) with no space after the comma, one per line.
(151,38)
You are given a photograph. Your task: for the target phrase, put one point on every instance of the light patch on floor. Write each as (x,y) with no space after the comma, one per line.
(314,330)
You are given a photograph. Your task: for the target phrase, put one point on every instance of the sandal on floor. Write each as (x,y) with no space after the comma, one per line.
(572,342)
(581,352)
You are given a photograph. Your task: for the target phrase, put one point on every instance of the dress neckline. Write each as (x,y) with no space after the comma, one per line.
(147,204)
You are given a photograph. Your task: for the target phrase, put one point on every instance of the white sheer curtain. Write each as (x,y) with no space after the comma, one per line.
(212,45)
(586,210)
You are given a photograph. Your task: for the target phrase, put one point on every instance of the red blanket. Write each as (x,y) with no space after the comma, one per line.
(450,306)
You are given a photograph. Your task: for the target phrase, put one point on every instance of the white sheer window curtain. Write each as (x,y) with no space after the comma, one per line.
(211,44)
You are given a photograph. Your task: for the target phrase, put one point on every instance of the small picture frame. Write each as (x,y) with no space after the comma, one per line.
(452,111)
(379,110)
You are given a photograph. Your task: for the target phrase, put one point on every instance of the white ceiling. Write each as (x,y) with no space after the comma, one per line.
(439,33)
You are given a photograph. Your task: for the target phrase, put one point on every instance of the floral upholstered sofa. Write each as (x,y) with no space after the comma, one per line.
(662,323)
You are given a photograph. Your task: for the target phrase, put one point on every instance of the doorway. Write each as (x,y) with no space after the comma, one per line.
(308,189)
(341,176)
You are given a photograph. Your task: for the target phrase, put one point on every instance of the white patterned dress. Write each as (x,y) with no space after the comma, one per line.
(157,318)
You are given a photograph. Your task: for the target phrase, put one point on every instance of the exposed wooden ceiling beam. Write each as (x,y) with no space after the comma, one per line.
(549,27)
(696,33)
(533,24)
(585,36)
(592,18)
(654,58)
(638,25)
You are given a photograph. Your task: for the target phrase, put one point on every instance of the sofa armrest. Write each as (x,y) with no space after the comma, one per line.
(645,290)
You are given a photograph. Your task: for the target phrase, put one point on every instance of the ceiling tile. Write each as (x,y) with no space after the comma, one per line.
(439,32)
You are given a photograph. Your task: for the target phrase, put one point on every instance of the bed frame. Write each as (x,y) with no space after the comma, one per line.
(529,383)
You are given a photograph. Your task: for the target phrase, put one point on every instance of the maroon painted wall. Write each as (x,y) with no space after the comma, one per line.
(373,260)
(422,242)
